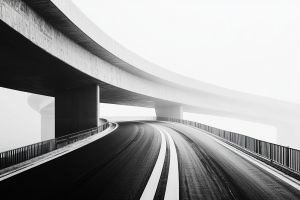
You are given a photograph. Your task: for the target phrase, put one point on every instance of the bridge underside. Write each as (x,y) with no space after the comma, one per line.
(43,52)
(26,67)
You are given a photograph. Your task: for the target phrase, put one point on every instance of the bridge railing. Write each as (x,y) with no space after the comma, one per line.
(129,118)
(15,156)
(282,155)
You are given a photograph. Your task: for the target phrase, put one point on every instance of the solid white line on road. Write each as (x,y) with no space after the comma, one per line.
(150,189)
(172,188)
(290,180)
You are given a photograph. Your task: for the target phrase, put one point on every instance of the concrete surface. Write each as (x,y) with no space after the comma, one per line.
(51,45)
(170,111)
(76,110)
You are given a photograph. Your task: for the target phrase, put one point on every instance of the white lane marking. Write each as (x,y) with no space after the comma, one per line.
(290,180)
(172,188)
(150,189)
(59,153)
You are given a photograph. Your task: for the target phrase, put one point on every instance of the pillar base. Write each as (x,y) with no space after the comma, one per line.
(171,112)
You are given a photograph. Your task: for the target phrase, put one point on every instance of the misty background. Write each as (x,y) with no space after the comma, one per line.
(249,46)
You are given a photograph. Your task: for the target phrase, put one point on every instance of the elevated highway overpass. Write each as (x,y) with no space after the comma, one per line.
(51,48)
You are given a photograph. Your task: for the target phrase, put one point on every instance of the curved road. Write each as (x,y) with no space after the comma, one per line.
(151,160)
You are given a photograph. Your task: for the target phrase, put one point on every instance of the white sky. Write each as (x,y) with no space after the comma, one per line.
(19,124)
(245,45)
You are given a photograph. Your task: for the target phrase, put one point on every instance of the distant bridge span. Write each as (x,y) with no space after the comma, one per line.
(51,48)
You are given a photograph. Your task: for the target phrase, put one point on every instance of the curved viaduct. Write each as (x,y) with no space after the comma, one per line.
(51,48)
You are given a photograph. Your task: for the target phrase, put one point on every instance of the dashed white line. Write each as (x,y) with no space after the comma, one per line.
(150,189)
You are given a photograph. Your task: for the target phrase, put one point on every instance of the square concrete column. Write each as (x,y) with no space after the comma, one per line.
(76,109)
(47,123)
(170,111)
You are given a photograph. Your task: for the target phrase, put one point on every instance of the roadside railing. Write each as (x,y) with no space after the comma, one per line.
(129,118)
(285,156)
(15,156)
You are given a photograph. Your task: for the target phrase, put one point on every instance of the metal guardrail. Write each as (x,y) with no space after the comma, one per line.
(15,156)
(285,156)
(129,118)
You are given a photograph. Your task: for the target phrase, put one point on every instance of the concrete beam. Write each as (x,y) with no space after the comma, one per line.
(170,111)
(91,64)
(76,109)
(46,40)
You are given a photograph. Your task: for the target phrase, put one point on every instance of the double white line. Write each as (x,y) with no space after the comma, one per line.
(172,188)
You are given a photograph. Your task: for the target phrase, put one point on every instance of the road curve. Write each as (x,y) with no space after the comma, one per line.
(116,166)
(175,161)
(208,170)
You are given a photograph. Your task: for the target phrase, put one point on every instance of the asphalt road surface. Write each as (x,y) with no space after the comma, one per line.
(150,160)
(208,170)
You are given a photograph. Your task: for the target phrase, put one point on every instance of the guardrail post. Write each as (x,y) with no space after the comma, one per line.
(287,156)
(271,152)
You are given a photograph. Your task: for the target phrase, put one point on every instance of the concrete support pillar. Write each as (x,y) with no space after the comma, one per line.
(47,123)
(288,134)
(76,109)
(170,111)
